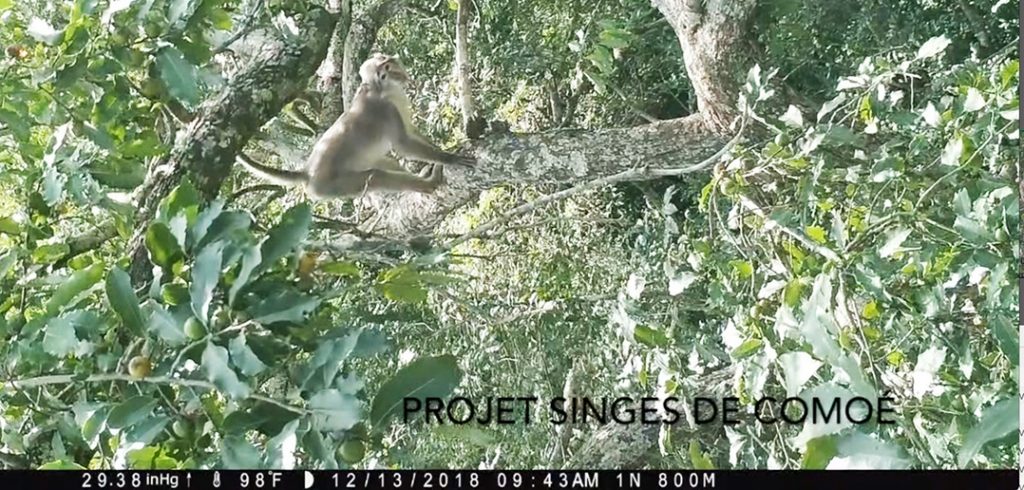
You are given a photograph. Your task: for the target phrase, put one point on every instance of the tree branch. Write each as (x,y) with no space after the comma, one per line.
(635,174)
(55,379)
(205,152)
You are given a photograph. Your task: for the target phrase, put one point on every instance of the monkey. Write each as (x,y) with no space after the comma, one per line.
(351,157)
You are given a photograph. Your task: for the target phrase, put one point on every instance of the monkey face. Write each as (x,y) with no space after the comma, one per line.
(384,68)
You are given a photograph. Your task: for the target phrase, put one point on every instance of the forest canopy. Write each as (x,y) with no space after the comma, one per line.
(672,198)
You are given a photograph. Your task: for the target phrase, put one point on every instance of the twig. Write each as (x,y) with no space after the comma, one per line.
(54,379)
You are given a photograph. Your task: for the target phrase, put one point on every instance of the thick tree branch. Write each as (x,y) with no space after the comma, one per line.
(560,157)
(332,70)
(205,150)
(631,175)
(714,37)
(472,124)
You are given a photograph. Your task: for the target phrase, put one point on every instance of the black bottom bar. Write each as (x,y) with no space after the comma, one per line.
(510,479)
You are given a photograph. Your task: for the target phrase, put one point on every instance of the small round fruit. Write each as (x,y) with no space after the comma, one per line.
(140,367)
(182,428)
(194,329)
(352,451)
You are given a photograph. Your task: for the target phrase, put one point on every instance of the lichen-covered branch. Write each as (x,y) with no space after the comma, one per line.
(205,150)
(716,42)
(560,157)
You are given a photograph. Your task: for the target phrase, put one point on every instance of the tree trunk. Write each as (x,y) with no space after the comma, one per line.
(332,70)
(205,151)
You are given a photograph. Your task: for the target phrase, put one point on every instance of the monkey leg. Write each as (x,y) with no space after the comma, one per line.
(421,150)
(355,183)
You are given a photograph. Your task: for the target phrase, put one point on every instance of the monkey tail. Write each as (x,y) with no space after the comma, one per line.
(277,176)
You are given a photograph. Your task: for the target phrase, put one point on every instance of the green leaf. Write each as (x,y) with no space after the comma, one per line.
(344,269)
(285,235)
(243,357)
(650,337)
(238,453)
(183,199)
(9,226)
(699,460)
(743,268)
(50,253)
(130,411)
(793,292)
(144,432)
(215,363)
(816,233)
(326,361)
(53,185)
(893,242)
(163,246)
(6,4)
(79,282)
(334,410)
(251,258)
(123,300)
(166,326)
(180,76)
(284,305)
(974,101)
(94,424)
(59,339)
(205,275)
(422,378)
(68,75)
(820,451)
(973,231)
(870,311)
(1007,337)
(281,448)
(747,348)
(62,464)
(222,227)
(149,458)
(997,421)
(7,260)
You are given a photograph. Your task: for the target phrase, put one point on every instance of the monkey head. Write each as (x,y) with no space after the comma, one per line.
(385,69)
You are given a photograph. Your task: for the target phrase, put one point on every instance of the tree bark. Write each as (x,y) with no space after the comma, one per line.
(714,35)
(557,157)
(472,124)
(332,70)
(205,150)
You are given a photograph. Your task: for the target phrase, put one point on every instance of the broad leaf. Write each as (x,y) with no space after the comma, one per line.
(123,300)
(180,76)
(996,422)
(215,363)
(426,377)
(131,411)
